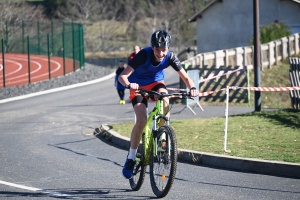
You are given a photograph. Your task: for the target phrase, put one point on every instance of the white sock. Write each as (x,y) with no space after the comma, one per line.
(132,154)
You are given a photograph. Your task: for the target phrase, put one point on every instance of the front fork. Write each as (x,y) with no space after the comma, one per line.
(163,155)
(150,136)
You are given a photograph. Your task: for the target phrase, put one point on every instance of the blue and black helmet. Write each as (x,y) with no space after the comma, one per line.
(160,38)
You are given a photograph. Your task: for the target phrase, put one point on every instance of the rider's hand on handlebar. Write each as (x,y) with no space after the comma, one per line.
(194,92)
(133,86)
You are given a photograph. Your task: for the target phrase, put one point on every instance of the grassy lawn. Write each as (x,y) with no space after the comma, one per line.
(263,135)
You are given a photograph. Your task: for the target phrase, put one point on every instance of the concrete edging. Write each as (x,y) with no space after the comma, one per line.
(214,160)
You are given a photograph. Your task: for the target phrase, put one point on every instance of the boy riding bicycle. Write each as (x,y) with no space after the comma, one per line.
(145,71)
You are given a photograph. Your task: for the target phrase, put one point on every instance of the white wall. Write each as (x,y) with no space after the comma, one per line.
(229,24)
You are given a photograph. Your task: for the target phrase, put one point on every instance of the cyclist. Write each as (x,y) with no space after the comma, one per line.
(145,70)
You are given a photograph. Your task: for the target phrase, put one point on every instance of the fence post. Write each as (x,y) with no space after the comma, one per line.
(218,62)
(276,52)
(6,34)
(289,46)
(52,35)
(244,56)
(283,48)
(3,65)
(226,121)
(73,41)
(23,39)
(38,32)
(270,47)
(49,54)
(81,46)
(296,40)
(64,49)
(28,48)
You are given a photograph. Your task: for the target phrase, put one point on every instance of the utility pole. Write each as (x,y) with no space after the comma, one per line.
(257,63)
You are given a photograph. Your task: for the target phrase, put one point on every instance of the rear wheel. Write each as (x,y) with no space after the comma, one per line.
(139,169)
(163,165)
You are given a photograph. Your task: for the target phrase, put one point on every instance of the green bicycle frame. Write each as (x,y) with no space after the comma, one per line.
(148,136)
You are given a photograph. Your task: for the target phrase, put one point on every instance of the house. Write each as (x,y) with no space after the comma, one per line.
(225,24)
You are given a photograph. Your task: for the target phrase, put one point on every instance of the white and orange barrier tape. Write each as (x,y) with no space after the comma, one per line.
(266,89)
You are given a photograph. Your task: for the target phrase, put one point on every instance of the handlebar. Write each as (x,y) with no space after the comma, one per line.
(161,95)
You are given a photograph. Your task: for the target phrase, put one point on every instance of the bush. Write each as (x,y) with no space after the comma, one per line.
(273,31)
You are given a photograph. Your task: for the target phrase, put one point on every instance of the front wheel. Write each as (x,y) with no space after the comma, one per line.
(163,164)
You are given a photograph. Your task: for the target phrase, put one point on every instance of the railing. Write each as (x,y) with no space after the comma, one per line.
(271,53)
(295,81)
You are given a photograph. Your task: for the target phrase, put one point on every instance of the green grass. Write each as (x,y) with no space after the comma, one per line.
(263,135)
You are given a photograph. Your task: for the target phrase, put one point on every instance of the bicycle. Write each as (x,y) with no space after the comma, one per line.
(158,148)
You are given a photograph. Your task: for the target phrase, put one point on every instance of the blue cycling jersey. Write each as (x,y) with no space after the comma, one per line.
(147,73)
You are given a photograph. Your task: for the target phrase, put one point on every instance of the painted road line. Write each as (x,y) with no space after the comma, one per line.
(52,193)
(58,89)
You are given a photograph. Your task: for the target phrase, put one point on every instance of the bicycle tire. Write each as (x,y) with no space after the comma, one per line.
(140,168)
(163,165)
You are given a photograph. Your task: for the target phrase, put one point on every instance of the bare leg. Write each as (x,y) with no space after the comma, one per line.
(141,119)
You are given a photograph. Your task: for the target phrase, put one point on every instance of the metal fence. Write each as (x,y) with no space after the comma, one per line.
(48,39)
(212,79)
(295,81)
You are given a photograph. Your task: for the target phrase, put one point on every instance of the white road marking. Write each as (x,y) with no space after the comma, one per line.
(34,189)
(58,89)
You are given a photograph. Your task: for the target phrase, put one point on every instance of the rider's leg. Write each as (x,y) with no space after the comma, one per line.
(139,105)
(140,108)
(141,119)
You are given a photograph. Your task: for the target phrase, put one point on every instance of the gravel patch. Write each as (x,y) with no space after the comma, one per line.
(87,73)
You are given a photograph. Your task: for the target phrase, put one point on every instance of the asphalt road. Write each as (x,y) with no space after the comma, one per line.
(48,150)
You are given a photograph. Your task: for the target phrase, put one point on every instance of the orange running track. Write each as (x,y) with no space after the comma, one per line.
(16,68)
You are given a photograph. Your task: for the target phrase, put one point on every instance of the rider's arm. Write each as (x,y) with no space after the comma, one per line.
(188,82)
(186,79)
(135,62)
(123,77)
(176,64)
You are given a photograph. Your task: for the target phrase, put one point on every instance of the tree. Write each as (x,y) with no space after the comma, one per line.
(12,13)
(140,17)
(55,9)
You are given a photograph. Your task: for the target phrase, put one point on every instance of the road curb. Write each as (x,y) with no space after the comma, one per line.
(214,160)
